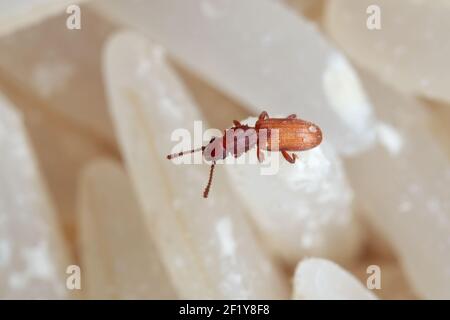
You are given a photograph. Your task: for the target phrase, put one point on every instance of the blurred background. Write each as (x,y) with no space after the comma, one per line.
(91,93)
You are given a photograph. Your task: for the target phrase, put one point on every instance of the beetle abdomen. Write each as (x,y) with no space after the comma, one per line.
(288,134)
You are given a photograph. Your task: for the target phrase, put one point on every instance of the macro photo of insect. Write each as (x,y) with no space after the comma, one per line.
(210,150)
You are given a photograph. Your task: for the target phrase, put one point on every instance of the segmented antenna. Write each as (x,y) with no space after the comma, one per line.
(182,153)
(208,186)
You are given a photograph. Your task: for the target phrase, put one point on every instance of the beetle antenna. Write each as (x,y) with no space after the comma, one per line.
(208,186)
(182,153)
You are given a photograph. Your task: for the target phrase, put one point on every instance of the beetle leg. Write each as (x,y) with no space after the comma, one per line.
(237,123)
(259,155)
(289,158)
(264,115)
(292,116)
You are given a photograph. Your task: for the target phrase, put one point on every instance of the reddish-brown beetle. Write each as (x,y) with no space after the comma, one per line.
(272,134)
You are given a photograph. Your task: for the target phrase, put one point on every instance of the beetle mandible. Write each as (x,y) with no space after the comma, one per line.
(271,134)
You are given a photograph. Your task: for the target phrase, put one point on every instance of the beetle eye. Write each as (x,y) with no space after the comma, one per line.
(312,129)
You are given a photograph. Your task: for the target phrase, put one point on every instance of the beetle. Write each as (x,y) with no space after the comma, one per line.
(271,134)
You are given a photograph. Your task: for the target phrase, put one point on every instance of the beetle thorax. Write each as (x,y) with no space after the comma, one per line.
(235,141)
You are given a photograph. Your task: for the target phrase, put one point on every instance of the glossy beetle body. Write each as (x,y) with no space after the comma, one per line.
(272,134)
(292,135)
(286,134)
